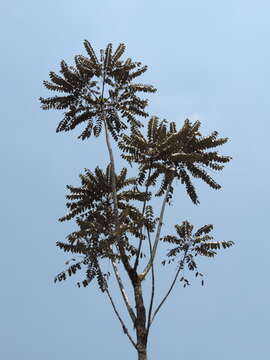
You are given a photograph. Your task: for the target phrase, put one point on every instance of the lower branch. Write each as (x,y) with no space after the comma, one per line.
(120,319)
(170,289)
(153,286)
(123,292)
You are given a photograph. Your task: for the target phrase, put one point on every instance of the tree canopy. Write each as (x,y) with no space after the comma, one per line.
(114,214)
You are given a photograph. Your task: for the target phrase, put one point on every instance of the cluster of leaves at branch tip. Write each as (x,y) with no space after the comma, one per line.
(86,100)
(97,91)
(191,245)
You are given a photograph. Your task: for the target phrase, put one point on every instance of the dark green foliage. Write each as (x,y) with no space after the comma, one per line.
(85,99)
(174,154)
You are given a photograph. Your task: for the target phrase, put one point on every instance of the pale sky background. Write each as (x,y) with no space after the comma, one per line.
(210,61)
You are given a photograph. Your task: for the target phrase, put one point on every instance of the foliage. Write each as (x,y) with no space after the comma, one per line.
(102,94)
(188,246)
(91,206)
(85,100)
(174,154)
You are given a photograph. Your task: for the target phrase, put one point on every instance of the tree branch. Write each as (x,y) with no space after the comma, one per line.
(117,225)
(120,319)
(124,258)
(150,263)
(153,286)
(170,289)
(140,244)
(123,292)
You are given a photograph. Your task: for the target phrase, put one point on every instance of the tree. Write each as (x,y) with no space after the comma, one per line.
(102,94)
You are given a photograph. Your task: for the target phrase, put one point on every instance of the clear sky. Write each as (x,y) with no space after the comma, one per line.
(210,61)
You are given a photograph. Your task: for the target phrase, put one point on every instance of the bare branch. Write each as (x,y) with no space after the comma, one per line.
(120,319)
(170,289)
(140,244)
(153,286)
(150,263)
(123,292)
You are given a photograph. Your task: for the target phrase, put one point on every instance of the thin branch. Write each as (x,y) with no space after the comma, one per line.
(140,244)
(170,289)
(112,302)
(153,286)
(124,294)
(117,225)
(124,258)
(150,263)
(120,319)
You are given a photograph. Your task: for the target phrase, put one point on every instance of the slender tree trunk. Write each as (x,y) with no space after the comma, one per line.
(142,355)
(140,323)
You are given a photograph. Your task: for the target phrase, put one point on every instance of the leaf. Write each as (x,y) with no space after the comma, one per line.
(90,52)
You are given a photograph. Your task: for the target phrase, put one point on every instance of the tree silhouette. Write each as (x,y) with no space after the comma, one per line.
(102,94)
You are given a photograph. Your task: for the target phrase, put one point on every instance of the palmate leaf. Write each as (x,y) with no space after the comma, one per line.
(174,154)
(84,86)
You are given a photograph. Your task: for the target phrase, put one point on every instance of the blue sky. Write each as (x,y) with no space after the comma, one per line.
(209,61)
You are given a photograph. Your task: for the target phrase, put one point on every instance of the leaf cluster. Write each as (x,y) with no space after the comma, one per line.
(91,204)
(102,92)
(174,154)
(187,245)
(83,92)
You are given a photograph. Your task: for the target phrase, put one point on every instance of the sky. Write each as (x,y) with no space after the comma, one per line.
(210,62)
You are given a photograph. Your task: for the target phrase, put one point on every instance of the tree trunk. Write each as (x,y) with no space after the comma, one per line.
(142,355)
(140,323)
